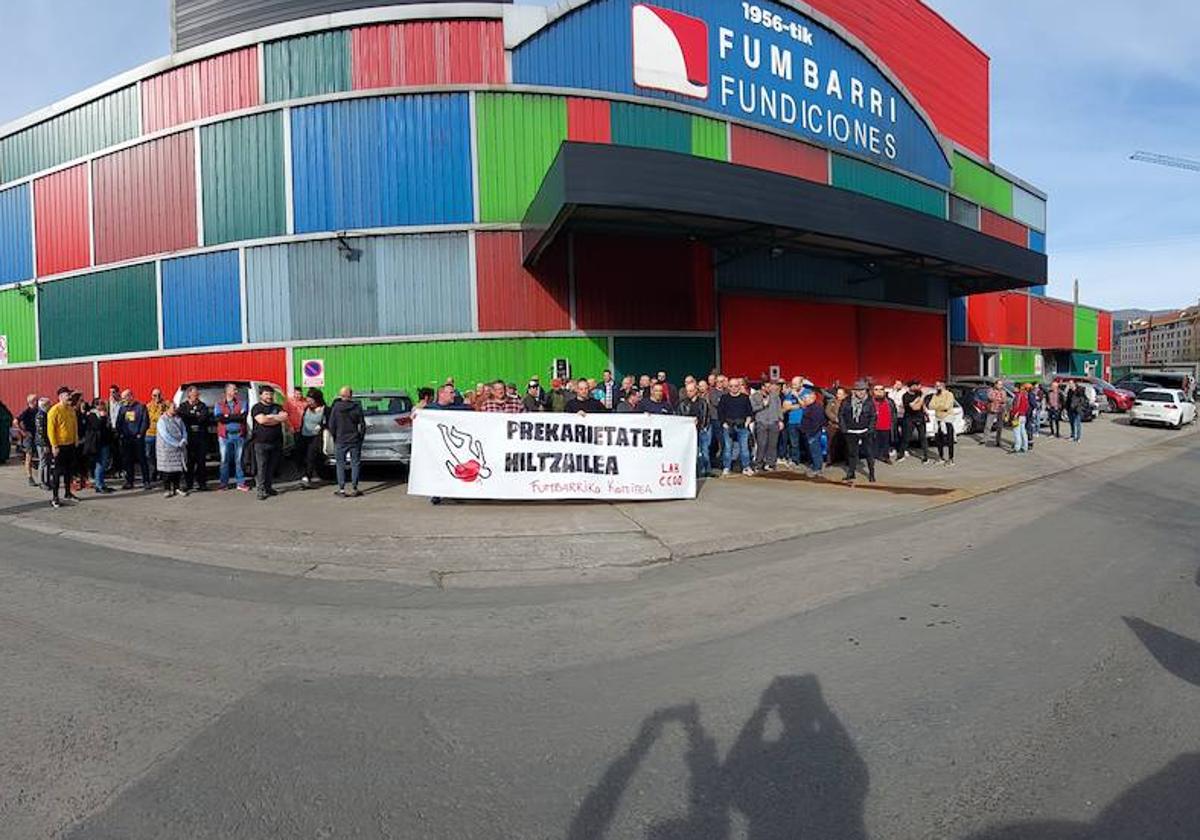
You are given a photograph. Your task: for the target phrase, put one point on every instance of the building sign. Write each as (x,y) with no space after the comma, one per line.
(3,349)
(626,457)
(758,62)
(313,373)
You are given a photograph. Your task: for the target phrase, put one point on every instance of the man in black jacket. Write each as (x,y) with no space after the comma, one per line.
(196,417)
(348,426)
(858,425)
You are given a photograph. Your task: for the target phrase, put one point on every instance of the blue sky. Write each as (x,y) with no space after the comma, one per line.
(1076,87)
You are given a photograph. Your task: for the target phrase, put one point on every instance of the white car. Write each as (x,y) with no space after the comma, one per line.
(1163,406)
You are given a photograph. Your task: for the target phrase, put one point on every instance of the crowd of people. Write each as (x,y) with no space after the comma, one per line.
(750,427)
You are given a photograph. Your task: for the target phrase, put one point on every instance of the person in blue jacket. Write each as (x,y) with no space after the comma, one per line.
(131,425)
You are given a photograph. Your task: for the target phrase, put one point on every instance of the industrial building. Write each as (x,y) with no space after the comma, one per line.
(407,192)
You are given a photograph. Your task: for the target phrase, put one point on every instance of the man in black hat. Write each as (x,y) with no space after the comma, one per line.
(857,421)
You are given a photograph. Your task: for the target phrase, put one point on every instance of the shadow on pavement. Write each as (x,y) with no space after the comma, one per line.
(1178,654)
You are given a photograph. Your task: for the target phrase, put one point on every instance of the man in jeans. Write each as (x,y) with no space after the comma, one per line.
(915,420)
(735,413)
(997,409)
(348,426)
(132,424)
(693,404)
(230,416)
(267,437)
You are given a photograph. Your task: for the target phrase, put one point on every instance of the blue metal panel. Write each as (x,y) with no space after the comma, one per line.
(397,160)
(16,235)
(958,319)
(424,284)
(1040,291)
(201,301)
(593,47)
(1037,241)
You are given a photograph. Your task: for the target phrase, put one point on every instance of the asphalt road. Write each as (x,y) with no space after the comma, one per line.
(1025,665)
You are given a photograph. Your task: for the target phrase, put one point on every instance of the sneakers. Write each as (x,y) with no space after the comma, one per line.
(339,492)
(748,471)
(950,463)
(356,492)
(305,483)
(245,488)
(55,503)
(724,473)
(169,494)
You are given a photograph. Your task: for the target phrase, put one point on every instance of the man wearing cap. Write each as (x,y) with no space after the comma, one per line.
(532,401)
(62,430)
(915,420)
(857,421)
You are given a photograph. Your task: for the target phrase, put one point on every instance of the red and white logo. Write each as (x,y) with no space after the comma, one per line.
(670,51)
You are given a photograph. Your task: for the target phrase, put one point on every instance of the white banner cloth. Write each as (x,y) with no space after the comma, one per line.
(630,457)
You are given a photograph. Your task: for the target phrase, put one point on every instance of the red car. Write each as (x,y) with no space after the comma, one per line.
(1119,399)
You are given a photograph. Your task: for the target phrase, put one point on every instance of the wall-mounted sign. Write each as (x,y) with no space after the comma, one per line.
(313,373)
(3,349)
(759,62)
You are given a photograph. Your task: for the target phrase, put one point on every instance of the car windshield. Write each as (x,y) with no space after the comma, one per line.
(1157,396)
(379,406)
(213,394)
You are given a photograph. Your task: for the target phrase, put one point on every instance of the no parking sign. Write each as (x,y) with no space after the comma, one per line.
(314,373)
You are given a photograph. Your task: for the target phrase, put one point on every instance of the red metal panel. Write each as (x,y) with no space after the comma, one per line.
(999,318)
(589,120)
(43,380)
(169,372)
(945,72)
(60,209)
(964,360)
(1051,324)
(921,354)
(217,85)
(825,350)
(427,53)
(778,154)
(628,283)
(1002,228)
(144,199)
(511,298)
(1104,332)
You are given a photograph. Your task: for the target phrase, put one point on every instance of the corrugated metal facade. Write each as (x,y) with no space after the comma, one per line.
(998,318)
(589,120)
(519,135)
(1028,208)
(958,319)
(201,301)
(860,177)
(411,365)
(945,72)
(1003,228)
(921,354)
(1087,329)
(308,65)
(344,177)
(963,212)
(982,186)
(392,285)
(1051,324)
(1104,332)
(196,22)
(17,313)
(242,174)
(60,206)
(44,380)
(512,298)
(112,311)
(169,372)
(217,85)
(16,235)
(1037,241)
(630,283)
(440,52)
(651,128)
(710,138)
(763,150)
(144,199)
(1017,362)
(678,356)
(104,122)
(964,360)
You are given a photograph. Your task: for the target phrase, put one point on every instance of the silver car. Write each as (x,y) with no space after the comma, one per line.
(389,428)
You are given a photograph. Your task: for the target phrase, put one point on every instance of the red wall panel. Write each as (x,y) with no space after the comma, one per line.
(629,283)
(998,318)
(1051,324)
(17,383)
(824,346)
(946,73)
(964,360)
(60,209)
(901,344)
(427,53)
(217,85)
(1003,228)
(778,154)
(589,120)
(511,298)
(169,372)
(1104,331)
(144,199)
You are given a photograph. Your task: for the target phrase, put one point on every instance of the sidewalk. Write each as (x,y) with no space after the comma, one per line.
(388,535)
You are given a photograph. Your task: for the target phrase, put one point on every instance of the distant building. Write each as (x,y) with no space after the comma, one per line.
(1173,338)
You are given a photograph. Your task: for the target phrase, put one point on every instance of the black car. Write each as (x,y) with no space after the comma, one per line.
(974,402)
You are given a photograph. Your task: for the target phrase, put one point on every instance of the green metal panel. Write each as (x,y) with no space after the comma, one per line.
(860,177)
(17,324)
(309,65)
(1019,363)
(112,311)
(104,122)
(242,173)
(710,138)
(679,357)
(410,365)
(1080,362)
(651,128)
(982,186)
(519,135)
(1087,328)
